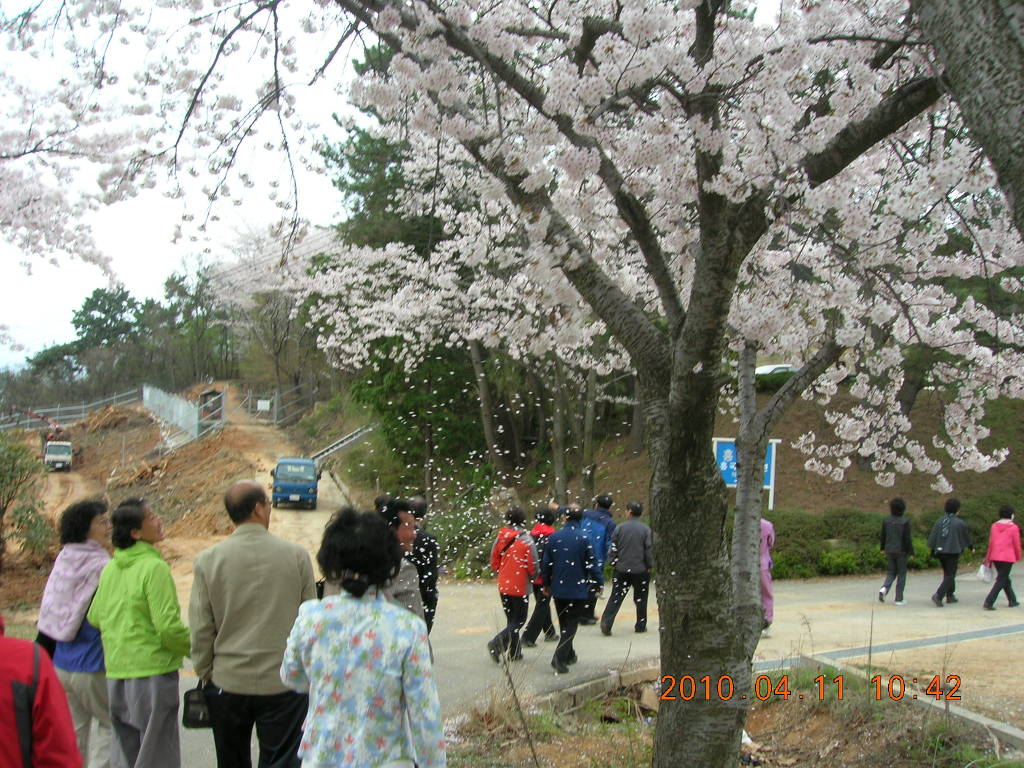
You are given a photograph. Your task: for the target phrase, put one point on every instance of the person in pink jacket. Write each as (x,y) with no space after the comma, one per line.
(1003,552)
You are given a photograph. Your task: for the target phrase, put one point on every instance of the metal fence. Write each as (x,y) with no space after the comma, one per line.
(280,408)
(193,419)
(29,418)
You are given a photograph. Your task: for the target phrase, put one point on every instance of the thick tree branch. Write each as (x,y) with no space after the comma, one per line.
(981,45)
(637,334)
(768,417)
(895,111)
(631,209)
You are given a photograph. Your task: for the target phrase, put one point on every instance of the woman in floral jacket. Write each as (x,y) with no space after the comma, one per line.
(363,659)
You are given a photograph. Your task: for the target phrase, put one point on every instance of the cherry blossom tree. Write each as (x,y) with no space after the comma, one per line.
(708,188)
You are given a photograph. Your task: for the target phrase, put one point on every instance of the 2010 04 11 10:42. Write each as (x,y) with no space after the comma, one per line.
(723,688)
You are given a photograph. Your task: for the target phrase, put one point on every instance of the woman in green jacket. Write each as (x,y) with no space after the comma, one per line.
(144,640)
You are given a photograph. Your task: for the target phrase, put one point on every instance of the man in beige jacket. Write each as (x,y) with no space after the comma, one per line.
(246,593)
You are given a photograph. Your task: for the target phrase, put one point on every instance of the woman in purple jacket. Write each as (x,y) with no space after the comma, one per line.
(78,657)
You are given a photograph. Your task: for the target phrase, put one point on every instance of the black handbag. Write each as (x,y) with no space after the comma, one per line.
(194,711)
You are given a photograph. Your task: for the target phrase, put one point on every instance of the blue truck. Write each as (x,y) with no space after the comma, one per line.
(295,482)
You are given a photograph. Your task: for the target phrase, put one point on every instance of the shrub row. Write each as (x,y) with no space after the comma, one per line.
(845,541)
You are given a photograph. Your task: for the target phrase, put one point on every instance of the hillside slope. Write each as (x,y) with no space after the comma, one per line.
(627,476)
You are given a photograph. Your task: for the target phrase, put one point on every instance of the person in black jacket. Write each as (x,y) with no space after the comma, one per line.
(897,545)
(424,556)
(948,539)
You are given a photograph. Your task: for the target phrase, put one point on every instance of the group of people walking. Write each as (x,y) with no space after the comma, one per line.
(345,680)
(567,566)
(948,539)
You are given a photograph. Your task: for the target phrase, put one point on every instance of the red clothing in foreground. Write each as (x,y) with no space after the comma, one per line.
(53,737)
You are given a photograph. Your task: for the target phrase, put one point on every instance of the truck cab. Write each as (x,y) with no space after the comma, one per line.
(295,482)
(57,455)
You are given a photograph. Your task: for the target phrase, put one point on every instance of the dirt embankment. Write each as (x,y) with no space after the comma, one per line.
(121,458)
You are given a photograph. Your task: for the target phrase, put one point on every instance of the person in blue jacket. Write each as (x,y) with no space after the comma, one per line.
(567,569)
(597,526)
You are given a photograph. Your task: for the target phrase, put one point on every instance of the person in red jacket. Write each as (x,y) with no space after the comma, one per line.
(514,558)
(34,715)
(1003,552)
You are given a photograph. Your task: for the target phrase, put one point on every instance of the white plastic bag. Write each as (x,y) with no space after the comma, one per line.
(986,573)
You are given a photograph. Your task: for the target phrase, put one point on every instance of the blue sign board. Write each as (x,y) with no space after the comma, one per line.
(725,458)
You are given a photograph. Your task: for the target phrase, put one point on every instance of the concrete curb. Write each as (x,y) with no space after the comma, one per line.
(1005,732)
(580,693)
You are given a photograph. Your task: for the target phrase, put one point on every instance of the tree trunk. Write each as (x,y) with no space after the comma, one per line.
(428,461)
(514,452)
(558,425)
(980,44)
(751,450)
(636,428)
(483,388)
(695,602)
(539,412)
(588,468)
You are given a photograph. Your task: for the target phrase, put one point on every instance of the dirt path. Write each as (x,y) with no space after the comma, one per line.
(62,488)
(259,445)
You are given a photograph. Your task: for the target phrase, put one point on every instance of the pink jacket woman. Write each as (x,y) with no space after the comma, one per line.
(1003,552)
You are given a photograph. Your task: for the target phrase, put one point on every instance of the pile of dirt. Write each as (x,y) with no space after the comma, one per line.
(185,487)
(110,417)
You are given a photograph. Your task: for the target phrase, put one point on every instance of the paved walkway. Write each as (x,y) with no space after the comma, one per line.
(837,618)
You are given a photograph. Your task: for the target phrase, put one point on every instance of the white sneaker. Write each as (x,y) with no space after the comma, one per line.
(766,632)
(900,602)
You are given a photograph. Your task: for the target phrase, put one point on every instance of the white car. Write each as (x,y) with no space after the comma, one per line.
(764,370)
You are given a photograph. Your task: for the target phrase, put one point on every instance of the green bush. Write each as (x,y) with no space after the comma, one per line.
(35,532)
(786,566)
(922,557)
(772,382)
(870,559)
(853,525)
(799,542)
(838,562)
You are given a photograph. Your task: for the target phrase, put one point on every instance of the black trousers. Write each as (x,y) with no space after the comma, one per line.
(897,572)
(515,609)
(948,584)
(589,614)
(569,614)
(621,584)
(1002,583)
(540,619)
(278,720)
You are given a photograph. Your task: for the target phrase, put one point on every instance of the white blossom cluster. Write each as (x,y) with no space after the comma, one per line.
(552,140)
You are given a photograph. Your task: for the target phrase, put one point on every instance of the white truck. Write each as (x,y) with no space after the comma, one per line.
(57,455)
